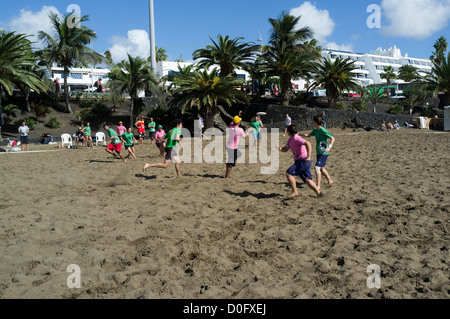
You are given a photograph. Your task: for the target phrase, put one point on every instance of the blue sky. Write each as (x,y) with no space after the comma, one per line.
(184,26)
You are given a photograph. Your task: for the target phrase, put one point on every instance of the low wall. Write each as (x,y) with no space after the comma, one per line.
(303,117)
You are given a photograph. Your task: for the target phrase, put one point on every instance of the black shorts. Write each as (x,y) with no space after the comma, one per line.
(142,135)
(158,144)
(23,139)
(232,156)
(128,146)
(171,154)
(151,134)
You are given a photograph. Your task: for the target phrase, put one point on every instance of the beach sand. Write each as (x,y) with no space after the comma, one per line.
(137,234)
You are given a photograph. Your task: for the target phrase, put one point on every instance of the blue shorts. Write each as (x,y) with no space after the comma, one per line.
(301,168)
(321,160)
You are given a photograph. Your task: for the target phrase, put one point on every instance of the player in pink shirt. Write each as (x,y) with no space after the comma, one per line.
(232,145)
(302,158)
(159,137)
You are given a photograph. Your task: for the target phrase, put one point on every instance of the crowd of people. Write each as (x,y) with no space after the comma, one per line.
(167,143)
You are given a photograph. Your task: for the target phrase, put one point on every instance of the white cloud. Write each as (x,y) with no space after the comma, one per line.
(417,19)
(318,21)
(136,44)
(30,23)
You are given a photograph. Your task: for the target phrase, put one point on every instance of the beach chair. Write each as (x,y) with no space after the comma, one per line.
(66,139)
(100,137)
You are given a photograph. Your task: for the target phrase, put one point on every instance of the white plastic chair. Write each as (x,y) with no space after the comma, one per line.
(100,137)
(66,139)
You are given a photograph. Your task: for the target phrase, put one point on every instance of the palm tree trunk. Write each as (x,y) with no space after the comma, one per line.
(132,111)
(66,90)
(285,91)
(1,112)
(209,116)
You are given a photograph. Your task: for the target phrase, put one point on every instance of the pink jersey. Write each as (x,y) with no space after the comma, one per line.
(121,129)
(297,146)
(159,136)
(235,133)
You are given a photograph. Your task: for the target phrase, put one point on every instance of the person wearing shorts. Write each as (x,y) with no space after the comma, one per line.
(159,137)
(128,138)
(87,132)
(301,150)
(322,149)
(287,122)
(140,124)
(232,145)
(173,138)
(152,130)
(24,130)
(116,143)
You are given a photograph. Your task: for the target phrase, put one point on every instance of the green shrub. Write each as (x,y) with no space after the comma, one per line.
(340,106)
(53,122)
(395,109)
(10,110)
(359,105)
(100,111)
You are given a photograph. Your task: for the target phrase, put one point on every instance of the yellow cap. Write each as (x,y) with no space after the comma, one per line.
(236,119)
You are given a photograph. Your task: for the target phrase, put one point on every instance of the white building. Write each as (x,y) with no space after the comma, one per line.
(80,78)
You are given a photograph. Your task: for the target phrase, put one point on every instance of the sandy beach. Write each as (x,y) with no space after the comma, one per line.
(137,234)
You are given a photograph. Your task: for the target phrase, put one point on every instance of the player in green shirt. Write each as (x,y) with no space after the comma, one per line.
(116,143)
(128,140)
(152,130)
(173,138)
(87,132)
(322,149)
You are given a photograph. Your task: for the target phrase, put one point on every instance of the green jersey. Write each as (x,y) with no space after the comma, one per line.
(256,125)
(116,139)
(171,137)
(87,130)
(322,136)
(151,127)
(128,138)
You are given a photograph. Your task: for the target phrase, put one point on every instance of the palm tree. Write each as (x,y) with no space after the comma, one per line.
(132,76)
(438,80)
(440,46)
(388,74)
(374,94)
(408,73)
(203,90)
(288,55)
(67,46)
(16,63)
(229,54)
(336,77)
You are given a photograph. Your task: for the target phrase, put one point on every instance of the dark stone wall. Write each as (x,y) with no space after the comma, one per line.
(303,117)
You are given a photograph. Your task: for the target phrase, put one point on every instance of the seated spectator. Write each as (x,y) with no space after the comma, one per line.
(383,126)
(390,126)
(81,138)
(396,125)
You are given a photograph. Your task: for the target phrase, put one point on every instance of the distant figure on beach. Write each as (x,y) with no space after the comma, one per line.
(324,119)
(57,87)
(116,143)
(275,90)
(396,125)
(128,140)
(389,126)
(81,138)
(383,126)
(152,130)
(287,122)
(322,149)
(159,137)
(302,162)
(232,145)
(256,126)
(173,138)
(99,86)
(87,132)
(140,124)
(24,130)
(201,125)
(121,129)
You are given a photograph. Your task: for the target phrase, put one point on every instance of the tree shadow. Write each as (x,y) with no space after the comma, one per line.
(210,176)
(258,195)
(145,176)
